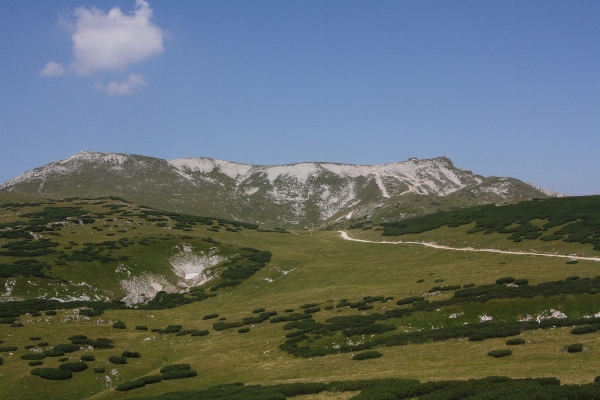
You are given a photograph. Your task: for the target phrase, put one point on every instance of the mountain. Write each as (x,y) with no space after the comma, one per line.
(293,195)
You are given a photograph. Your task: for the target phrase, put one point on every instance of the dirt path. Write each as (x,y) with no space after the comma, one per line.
(439,246)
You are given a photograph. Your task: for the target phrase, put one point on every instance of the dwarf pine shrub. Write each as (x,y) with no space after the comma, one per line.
(500,353)
(117,360)
(87,357)
(575,348)
(515,341)
(99,370)
(174,367)
(179,374)
(119,325)
(141,327)
(34,363)
(57,374)
(74,366)
(243,330)
(130,354)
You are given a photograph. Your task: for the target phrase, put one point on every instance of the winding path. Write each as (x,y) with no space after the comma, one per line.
(439,246)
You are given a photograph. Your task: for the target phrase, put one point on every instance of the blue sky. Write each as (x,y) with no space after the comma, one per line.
(504,88)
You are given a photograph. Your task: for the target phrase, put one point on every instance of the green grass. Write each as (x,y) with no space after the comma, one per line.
(306,267)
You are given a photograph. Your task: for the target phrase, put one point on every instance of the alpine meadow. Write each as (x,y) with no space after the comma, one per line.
(409,280)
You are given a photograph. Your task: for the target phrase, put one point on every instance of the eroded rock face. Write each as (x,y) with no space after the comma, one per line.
(190,268)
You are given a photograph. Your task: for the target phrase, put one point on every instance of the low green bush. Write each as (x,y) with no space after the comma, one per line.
(1,360)
(119,325)
(150,379)
(309,305)
(580,330)
(29,346)
(174,367)
(243,330)
(57,374)
(125,386)
(199,332)
(365,355)
(43,344)
(409,300)
(117,360)
(258,310)
(210,316)
(312,310)
(141,327)
(575,348)
(35,338)
(66,348)
(506,279)
(99,370)
(130,354)
(62,359)
(515,341)
(7,349)
(34,363)
(170,329)
(34,356)
(76,337)
(500,353)
(87,357)
(179,374)
(521,282)
(288,310)
(74,366)
(50,312)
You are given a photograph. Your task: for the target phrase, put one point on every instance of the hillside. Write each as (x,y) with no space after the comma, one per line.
(296,195)
(285,312)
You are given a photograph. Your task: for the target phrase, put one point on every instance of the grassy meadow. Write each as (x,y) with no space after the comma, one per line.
(308,266)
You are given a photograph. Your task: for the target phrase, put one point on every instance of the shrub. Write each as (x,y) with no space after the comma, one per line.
(151,379)
(130,354)
(174,367)
(170,329)
(52,373)
(141,327)
(35,338)
(66,348)
(288,310)
(119,325)
(409,300)
(258,310)
(29,346)
(74,366)
(34,363)
(210,316)
(76,337)
(125,386)
(117,360)
(243,330)
(572,262)
(179,374)
(421,281)
(312,310)
(580,330)
(468,285)
(43,344)
(99,370)
(309,305)
(50,312)
(62,359)
(506,279)
(199,333)
(34,356)
(6,349)
(87,357)
(500,353)
(521,282)
(1,360)
(597,379)
(329,308)
(515,341)
(575,348)
(365,355)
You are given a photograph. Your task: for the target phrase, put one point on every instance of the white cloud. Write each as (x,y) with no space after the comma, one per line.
(53,69)
(129,86)
(112,41)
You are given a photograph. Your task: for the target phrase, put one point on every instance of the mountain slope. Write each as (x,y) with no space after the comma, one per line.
(304,195)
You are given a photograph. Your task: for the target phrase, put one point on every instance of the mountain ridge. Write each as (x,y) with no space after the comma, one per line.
(299,194)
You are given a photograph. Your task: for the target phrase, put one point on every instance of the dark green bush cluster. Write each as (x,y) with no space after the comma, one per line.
(210,316)
(365,355)
(74,366)
(507,279)
(82,340)
(515,341)
(34,363)
(119,325)
(257,310)
(444,288)
(52,373)
(577,216)
(580,330)
(197,332)
(16,308)
(409,300)
(243,330)
(170,329)
(243,267)
(163,300)
(141,327)
(117,360)
(99,370)
(575,348)
(500,353)
(312,310)
(130,354)
(87,357)
(6,349)
(35,338)
(290,317)
(262,317)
